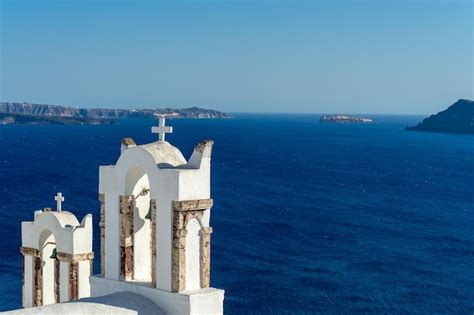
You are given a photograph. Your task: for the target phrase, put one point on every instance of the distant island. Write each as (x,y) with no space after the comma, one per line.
(457,118)
(344,119)
(27,113)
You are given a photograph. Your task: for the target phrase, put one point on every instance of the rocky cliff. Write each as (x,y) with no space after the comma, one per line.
(11,113)
(457,118)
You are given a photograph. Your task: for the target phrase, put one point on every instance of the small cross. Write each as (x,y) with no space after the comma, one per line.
(161,129)
(59,199)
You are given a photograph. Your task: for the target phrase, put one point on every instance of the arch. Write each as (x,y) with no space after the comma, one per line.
(134,167)
(163,187)
(56,223)
(137,184)
(193,254)
(49,267)
(135,158)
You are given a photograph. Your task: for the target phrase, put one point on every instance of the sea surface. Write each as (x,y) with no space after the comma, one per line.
(308,218)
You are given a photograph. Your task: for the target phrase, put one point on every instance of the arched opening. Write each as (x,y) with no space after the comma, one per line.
(49,268)
(193,255)
(138,185)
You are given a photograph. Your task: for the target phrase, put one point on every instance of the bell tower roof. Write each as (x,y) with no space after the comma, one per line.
(165,154)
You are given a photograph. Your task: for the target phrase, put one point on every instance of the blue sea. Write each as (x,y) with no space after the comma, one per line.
(308,218)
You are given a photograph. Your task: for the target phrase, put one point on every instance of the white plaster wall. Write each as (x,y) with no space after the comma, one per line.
(206,216)
(193,278)
(48,274)
(112,245)
(74,309)
(29,281)
(64,281)
(142,236)
(195,184)
(208,301)
(166,189)
(83,270)
(83,236)
(107,181)
(204,301)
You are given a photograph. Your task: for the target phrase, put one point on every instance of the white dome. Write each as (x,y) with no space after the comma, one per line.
(165,154)
(64,218)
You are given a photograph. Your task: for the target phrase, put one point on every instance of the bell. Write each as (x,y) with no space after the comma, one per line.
(54,254)
(148,215)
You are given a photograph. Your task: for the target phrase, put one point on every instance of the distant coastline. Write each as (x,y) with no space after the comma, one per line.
(29,113)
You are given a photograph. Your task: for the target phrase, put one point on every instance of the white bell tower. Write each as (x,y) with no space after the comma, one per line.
(155,232)
(57,256)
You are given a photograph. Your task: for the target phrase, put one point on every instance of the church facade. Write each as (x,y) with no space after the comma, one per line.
(155,239)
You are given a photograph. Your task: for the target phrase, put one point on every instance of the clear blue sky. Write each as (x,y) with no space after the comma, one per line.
(239,56)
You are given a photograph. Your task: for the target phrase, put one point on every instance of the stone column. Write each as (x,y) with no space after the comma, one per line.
(73,281)
(205,257)
(178,255)
(38,282)
(56,280)
(178,282)
(23,289)
(102,234)
(153,241)
(126,237)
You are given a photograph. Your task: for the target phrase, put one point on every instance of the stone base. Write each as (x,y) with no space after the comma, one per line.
(204,301)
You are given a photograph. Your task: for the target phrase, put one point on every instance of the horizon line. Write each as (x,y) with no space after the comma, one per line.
(107,107)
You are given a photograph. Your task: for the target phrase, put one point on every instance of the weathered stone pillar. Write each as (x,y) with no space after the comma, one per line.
(126,237)
(38,282)
(56,280)
(205,257)
(178,282)
(73,281)
(23,266)
(102,234)
(153,241)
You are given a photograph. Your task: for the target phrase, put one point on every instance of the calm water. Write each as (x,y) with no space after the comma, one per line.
(308,218)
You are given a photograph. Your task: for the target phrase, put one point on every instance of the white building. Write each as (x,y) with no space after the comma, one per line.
(155,209)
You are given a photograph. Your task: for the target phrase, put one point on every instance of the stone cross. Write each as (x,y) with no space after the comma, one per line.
(59,199)
(161,129)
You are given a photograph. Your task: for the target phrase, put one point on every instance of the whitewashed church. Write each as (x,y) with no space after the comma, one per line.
(155,240)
